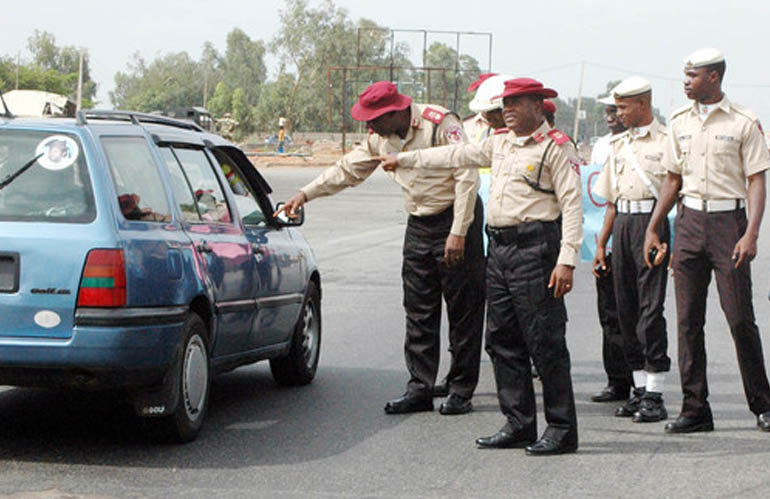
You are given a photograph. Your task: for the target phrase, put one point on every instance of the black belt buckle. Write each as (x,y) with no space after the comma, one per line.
(502,236)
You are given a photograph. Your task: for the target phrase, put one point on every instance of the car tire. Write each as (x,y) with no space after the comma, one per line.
(300,365)
(194,378)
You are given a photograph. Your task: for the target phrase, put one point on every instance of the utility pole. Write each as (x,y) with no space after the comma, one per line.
(579,101)
(205,86)
(80,82)
(18,63)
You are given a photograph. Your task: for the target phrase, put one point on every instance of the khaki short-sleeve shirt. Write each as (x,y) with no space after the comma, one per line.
(618,179)
(716,156)
(426,192)
(515,166)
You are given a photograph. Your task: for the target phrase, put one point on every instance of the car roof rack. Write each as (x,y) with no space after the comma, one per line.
(134,117)
(6,112)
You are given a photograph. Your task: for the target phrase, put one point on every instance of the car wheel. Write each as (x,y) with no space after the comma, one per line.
(300,365)
(194,381)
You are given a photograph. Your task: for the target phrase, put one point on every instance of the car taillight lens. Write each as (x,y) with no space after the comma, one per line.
(104,279)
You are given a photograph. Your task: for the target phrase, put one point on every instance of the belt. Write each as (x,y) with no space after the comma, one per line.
(629,206)
(710,205)
(523,233)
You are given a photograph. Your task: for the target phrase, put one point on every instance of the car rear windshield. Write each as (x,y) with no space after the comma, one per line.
(44,178)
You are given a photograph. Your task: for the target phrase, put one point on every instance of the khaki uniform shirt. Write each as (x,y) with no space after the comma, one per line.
(618,180)
(714,157)
(474,125)
(426,192)
(512,200)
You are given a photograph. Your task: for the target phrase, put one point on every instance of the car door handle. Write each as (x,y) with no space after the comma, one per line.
(204,247)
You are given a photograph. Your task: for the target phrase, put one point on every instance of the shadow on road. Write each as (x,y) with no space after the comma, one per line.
(251,421)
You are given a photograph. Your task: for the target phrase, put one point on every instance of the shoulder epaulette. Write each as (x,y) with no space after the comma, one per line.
(433,115)
(748,113)
(679,111)
(558,136)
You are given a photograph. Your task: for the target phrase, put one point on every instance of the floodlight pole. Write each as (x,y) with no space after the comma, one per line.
(576,127)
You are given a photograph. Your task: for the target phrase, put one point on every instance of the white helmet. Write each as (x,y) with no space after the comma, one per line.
(488,94)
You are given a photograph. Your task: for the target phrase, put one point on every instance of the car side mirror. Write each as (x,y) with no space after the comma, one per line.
(285,220)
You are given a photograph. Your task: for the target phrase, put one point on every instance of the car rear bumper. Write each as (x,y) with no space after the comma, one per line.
(109,348)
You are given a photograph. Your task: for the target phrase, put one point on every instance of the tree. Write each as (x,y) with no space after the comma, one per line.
(53,69)
(308,42)
(243,65)
(172,81)
(242,113)
(222,101)
(451,84)
(272,102)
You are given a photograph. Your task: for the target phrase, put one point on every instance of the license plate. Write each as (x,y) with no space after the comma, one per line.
(9,272)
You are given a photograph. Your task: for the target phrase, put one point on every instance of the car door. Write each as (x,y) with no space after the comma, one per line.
(223,252)
(280,264)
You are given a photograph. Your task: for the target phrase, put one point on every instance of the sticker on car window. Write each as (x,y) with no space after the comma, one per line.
(57,152)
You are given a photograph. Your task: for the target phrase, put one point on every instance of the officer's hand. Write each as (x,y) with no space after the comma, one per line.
(600,263)
(388,163)
(454,250)
(652,241)
(745,249)
(561,280)
(292,205)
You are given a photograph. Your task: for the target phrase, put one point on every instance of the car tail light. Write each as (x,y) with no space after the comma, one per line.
(104,279)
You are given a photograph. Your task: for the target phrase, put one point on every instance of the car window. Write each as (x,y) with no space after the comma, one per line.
(44,178)
(200,175)
(245,200)
(140,189)
(182,190)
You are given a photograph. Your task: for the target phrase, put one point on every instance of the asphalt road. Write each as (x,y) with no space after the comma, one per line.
(332,439)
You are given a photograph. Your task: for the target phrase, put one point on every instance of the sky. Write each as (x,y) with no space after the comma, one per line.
(543,40)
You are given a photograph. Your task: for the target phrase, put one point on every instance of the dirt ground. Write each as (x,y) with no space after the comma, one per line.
(316,153)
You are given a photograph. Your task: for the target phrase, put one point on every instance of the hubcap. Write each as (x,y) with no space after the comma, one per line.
(309,335)
(195,374)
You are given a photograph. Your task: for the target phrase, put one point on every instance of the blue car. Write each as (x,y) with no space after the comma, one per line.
(140,253)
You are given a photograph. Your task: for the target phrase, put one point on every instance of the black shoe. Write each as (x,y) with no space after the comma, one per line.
(548,447)
(628,409)
(684,424)
(763,421)
(504,440)
(651,409)
(441,389)
(409,403)
(456,404)
(611,393)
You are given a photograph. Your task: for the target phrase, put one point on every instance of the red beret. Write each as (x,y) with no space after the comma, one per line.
(379,98)
(549,107)
(483,76)
(526,86)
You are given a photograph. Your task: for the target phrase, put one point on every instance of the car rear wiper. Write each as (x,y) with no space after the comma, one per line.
(10,178)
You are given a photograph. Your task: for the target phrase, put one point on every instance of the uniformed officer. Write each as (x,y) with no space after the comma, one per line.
(477,123)
(631,181)
(443,252)
(535,228)
(716,161)
(619,380)
(487,105)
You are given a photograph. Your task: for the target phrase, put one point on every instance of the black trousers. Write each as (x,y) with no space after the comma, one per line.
(613,357)
(426,277)
(704,243)
(640,293)
(525,321)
